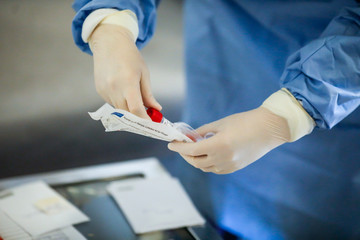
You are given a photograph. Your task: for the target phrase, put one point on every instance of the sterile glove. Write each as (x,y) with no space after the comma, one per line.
(239,140)
(243,138)
(121,75)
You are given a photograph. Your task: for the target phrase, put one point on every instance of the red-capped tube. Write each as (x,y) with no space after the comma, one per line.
(155,115)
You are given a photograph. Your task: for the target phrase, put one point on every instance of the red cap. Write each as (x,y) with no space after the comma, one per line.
(154,114)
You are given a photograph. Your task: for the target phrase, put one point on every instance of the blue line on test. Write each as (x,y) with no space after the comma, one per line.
(118,114)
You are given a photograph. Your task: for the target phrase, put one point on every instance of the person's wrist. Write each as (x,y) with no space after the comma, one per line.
(284,104)
(124,18)
(275,127)
(106,33)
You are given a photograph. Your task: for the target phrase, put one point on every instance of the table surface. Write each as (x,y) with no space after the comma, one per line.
(86,188)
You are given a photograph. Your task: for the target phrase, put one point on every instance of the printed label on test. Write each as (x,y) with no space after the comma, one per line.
(121,120)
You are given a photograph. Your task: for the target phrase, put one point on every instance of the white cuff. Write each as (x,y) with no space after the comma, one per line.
(125,18)
(93,20)
(284,104)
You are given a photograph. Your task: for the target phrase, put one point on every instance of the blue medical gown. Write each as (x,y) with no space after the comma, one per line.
(238,52)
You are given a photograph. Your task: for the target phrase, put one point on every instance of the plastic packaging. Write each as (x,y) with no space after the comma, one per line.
(188,131)
(184,128)
(158,127)
(120,120)
(156,116)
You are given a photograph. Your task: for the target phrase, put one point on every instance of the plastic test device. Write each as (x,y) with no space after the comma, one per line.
(156,116)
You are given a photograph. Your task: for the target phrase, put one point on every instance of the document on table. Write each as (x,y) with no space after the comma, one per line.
(38,209)
(155,204)
(9,230)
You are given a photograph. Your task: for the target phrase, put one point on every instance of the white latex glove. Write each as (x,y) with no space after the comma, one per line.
(239,140)
(121,75)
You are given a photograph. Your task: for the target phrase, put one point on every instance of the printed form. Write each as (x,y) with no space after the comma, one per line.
(155,204)
(38,209)
(9,230)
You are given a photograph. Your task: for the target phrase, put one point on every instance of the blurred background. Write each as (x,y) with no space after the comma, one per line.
(47,88)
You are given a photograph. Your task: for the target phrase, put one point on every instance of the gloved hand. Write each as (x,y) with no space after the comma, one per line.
(239,140)
(121,75)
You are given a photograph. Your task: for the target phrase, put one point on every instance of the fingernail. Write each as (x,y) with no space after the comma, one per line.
(170,145)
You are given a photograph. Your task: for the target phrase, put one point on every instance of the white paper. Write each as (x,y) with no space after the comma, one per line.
(9,230)
(121,120)
(38,209)
(68,233)
(155,204)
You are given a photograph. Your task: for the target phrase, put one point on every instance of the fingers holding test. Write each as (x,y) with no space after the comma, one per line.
(225,167)
(135,103)
(191,149)
(212,169)
(147,96)
(207,128)
(119,103)
(197,162)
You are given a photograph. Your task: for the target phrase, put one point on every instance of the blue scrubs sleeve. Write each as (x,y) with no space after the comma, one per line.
(325,74)
(145,11)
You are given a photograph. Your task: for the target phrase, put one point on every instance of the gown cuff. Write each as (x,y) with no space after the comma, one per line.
(125,18)
(284,104)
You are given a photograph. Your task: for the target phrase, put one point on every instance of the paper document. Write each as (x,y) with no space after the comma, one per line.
(9,230)
(38,209)
(155,204)
(121,120)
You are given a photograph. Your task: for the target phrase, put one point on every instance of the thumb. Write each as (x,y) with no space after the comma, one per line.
(207,128)
(148,98)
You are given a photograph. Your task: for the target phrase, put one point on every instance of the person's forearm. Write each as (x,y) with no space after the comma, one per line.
(325,74)
(144,10)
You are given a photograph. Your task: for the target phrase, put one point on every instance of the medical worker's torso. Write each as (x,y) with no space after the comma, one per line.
(235,54)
